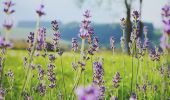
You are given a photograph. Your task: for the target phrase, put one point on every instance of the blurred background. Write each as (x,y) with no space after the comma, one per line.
(106,15)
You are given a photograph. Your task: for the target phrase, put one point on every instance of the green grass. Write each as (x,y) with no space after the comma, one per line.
(14,61)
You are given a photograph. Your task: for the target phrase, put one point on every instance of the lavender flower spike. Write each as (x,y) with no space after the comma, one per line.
(74,44)
(88,93)
(40,10)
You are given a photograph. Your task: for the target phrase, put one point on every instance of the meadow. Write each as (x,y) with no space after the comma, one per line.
(136,70)
(146,76)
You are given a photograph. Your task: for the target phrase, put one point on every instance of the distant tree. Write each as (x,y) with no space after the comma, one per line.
(128,7)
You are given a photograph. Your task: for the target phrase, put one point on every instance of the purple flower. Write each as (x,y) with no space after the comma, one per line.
(56,40)
(41,72)
(51,75)
(54,25)
(41,43)
(123,23)
(8,25)
(98,80)
(30,41)
(88,93)
(116,80)
(40,10)
(166,11)
(87,14)
(145,30)
(86,31)
(155,54)
(112,43)
(10,74)
(94,47)
(2,93)
(167,27)
(8,7)
(74,44)
(136,15)
(41,89)
(4,44)
(51,57)
(133,97)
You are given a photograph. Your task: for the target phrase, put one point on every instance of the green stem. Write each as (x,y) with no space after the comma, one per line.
(62,70)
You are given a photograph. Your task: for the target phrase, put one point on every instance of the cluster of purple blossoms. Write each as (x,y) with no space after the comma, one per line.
(112,43)
(4,44)
(41,40)
(98,73)
(30,41)
(155,54)
(8,24)
(40,10)
(94,47)
(51,75)
(116,80)
(133,97)
(57,35)
(166,21)
(8,7)
(123,23)
(52,57)
(10,74)
(140,49)
(41,89)
(146,40)
(2,93)
(41,72)
(74,44)
(89,93)
(86,31)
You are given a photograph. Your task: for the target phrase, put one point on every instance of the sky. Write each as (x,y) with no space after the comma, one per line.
(68,11)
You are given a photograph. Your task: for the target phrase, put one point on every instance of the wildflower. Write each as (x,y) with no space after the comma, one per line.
(133,97)
(167,27)
(8,7)
(116,80)
(41,89)
(136,15)
(41,44)
(155,54)
(5,44)
(8,25)
(51,57)
(30,41)
(2,93)
(112,43)
(74,65)
(40,10)
(144,87)
(10,74)
(51,75)
(74,44)
(41,72)
(86,31)
(88,93)
(123,23)
(54,25)
(56,39)
(166,11)
(94,47)
(98,77)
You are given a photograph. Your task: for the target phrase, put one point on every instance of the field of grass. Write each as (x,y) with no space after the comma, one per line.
(149,75)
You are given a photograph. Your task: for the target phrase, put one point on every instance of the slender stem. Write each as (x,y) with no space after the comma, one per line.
(31,56)
(62,70)
(77,81)
(132,77)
